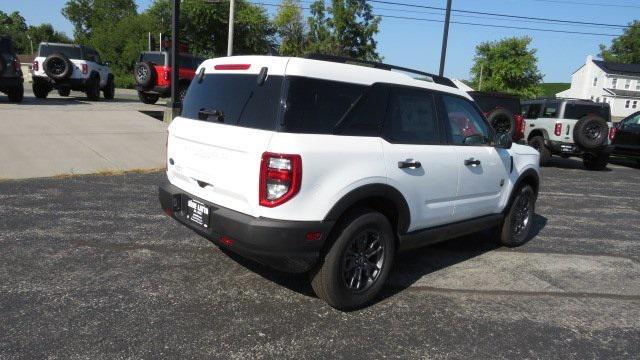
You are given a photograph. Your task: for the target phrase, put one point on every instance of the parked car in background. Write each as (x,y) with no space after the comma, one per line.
(70,67)
(152,73)
(570,127)
(11,80)
(321,166)
(627,138)
(502,111)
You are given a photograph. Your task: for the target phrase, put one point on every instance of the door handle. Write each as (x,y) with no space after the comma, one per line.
(471,161)
(409,164)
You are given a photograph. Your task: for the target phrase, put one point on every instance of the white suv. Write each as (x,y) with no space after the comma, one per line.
(330,168)
(67,67)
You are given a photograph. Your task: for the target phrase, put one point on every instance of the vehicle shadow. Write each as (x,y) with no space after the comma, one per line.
(409,267)
(626,162)
(568,163)
(64,101)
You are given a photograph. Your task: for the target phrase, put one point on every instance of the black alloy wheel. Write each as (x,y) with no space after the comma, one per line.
(363,260)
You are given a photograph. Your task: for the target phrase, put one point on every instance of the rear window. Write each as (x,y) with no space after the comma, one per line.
(317,106)
(490,103)
(578,111)
(237,99)
(157,59)
(5,45)
(72,52)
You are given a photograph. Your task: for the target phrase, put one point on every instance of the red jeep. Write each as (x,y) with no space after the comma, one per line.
(153,75)
(502,111)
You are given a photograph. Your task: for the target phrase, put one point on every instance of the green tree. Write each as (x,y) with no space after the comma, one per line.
(290,28)
(85,15)
(626,47)
(349,31)
(508,65)
(23,35)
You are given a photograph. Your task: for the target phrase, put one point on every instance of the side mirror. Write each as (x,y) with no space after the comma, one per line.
(504,141)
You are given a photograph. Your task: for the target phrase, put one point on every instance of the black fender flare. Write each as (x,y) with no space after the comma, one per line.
(526,175)
(368,191)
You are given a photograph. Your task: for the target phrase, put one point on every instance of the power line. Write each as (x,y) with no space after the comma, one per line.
(497,14)
(467,23)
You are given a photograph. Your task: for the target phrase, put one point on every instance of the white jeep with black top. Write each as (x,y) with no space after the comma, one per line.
(67,67)
(323,166)
(570,127)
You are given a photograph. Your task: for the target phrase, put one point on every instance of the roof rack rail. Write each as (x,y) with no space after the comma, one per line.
(378,65)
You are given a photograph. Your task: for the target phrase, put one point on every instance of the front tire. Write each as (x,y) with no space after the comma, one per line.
(41,90)
(109,91)
(16,94)
(93,89)
(64,92)
(515,228)
(595,162)
(149,99)
(357,265)
(537,142)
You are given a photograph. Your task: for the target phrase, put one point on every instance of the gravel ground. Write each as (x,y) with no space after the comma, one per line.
(91,268)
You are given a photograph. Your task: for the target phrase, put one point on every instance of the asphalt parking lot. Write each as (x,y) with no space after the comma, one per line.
(92,269)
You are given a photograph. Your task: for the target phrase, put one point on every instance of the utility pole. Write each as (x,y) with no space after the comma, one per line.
(445,37)
(232,7)
(480,82)
(149,40)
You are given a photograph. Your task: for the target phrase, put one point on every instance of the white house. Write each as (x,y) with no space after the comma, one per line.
(613,83)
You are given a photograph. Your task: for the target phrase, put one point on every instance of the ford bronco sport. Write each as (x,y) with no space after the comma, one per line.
(330,168)
(11,81)
(569,127)
(153,75)
(67,67)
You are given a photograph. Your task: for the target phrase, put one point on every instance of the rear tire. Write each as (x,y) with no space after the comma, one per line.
(595,162)
(93,89)
(537,142)
(16,94)
(41,89)
(148,98)
(357,265)
(517,224)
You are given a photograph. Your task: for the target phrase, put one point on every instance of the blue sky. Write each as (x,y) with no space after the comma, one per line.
(417,44)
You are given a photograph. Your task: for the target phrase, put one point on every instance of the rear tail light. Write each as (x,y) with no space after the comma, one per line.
(167,73)
(16,65)
(612,133)
(85,68)
(558,129)
(232,67)
(519,127)
(280,178)
(36,66)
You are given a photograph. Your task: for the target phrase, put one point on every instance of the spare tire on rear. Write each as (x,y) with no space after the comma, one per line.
(145,74)
(58,66)
(3,65)
(591,132)
(502,121)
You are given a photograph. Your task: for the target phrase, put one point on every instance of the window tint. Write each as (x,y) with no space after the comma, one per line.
(632,122)
(6,46)
(466,124)
(316,106)
(550,110)
(72,52)
(534,111)
(366,117)
(488,103)
(239,99)
(578,111)
(411,117)
(157,59)
(524,110)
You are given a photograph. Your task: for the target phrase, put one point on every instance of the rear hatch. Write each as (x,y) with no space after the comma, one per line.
(227,121)
(6,51)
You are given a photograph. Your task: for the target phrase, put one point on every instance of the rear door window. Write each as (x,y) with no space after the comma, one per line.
(578,111)
(234,99)
(534,111)
(411,117)
(317,106)
(156,59)
(551,110)
(367,115)
(72,52)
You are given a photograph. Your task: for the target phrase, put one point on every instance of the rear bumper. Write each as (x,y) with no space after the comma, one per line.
(276,243)
(163,91)
(10,82)
(70,83)
(572,149)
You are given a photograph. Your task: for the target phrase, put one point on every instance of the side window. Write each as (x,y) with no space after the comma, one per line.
(524,110)
(466,124)
(411,117)
(550,110)
(534,111)
(632,123)
(366,117)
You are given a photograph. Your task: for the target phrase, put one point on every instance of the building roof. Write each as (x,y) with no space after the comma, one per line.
(618,68)
(623,93)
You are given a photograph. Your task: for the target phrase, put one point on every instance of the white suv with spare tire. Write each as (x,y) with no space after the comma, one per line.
(324,166)
(570,127)
(67,67)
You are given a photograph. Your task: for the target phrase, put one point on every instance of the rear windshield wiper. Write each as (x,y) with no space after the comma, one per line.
(210,114)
